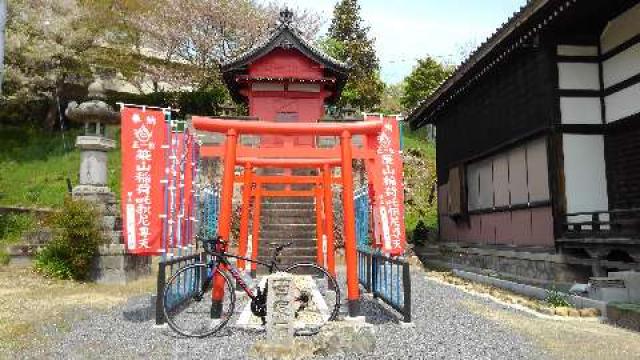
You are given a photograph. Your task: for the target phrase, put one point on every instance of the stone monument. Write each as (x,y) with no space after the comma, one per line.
(113,265)
(280,344)
(280,316)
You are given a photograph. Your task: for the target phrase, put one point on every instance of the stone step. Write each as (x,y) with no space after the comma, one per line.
(287,205)
(289,227)
(288,220)
(288,260)
(300,243)
(38,236)
(289,199)
(269,235)
(311,212)
(290,251)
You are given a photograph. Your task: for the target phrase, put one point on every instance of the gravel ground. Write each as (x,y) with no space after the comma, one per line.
(444,328)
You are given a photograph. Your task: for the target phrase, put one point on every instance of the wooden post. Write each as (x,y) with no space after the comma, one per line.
(244,215)
(319,225)
(224,219)
(351,255)
(328,216)
(255,231)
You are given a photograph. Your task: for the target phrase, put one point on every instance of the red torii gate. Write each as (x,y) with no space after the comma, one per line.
(322,194)
(313,158)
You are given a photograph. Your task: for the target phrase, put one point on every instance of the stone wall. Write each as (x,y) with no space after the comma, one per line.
(536,268)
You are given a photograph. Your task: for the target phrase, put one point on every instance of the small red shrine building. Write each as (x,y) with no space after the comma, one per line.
(285,78)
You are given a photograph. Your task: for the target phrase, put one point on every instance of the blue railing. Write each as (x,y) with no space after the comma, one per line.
(361,202)
(183,288)
(386,278)
(210,197)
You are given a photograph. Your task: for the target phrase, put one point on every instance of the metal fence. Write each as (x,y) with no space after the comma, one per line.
(184,287)
(361,202)
(386,278)
(209,211)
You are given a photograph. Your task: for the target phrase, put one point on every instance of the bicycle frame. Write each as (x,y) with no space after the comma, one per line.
(224,263)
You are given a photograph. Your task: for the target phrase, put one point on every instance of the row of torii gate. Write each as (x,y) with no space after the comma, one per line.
(324,160)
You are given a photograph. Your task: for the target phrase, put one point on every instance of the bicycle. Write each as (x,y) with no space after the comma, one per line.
(190,312)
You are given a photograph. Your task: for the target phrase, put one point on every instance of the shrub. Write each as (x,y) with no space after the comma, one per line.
(77,236)
(420,233)
(556,298)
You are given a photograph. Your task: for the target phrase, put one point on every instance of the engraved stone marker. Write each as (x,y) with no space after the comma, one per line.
(280,315)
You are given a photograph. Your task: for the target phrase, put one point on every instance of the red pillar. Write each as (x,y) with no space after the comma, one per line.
(328,216)
(351,255)
(319,225)
(224,220)
(257,208)
(244,215)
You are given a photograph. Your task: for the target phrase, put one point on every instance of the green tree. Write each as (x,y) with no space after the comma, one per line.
(425,78)
(53,43)
(349,41)
(390,102)
(3,22)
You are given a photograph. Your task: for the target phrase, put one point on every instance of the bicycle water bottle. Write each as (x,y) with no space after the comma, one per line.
(247,279)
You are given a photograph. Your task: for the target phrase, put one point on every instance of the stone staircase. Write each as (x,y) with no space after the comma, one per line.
(288,219)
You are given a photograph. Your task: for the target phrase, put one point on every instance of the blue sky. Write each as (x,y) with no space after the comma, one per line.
(406,30)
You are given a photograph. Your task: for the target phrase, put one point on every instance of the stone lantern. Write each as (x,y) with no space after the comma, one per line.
(114,264)
(350,113)
(228,109)
(94,145)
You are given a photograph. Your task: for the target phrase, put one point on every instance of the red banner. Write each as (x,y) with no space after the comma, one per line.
(143,163)
(189,169)
(388,187)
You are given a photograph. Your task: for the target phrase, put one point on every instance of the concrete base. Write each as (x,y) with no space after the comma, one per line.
(540,268)
(532,291)
(340,337)
(624,315)
(114,266)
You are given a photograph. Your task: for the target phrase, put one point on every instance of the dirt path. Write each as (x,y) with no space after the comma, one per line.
(570,339)
(42,318)
(34,309)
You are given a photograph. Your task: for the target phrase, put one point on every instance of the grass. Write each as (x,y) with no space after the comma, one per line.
(418,140)
(419,175)
(12,226)
(35,164)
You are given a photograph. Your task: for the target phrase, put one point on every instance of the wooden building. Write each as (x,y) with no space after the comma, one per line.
(538,144)
(285,78)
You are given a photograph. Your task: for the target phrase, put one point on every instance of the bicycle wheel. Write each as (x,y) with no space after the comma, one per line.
(187,302)
(317,298)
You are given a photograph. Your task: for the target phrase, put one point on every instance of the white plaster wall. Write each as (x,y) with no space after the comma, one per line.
(578,76)
(576,50)
(623,103)
(584,110)
(622,66)
(584,173)
(621,29)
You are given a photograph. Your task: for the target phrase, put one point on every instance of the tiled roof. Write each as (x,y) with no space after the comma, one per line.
(470,70)
(288,37)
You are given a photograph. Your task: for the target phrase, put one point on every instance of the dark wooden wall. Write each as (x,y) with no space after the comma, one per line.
(622,144)
(513,101)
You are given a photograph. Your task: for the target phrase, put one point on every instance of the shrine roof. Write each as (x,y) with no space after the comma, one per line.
(285,36)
